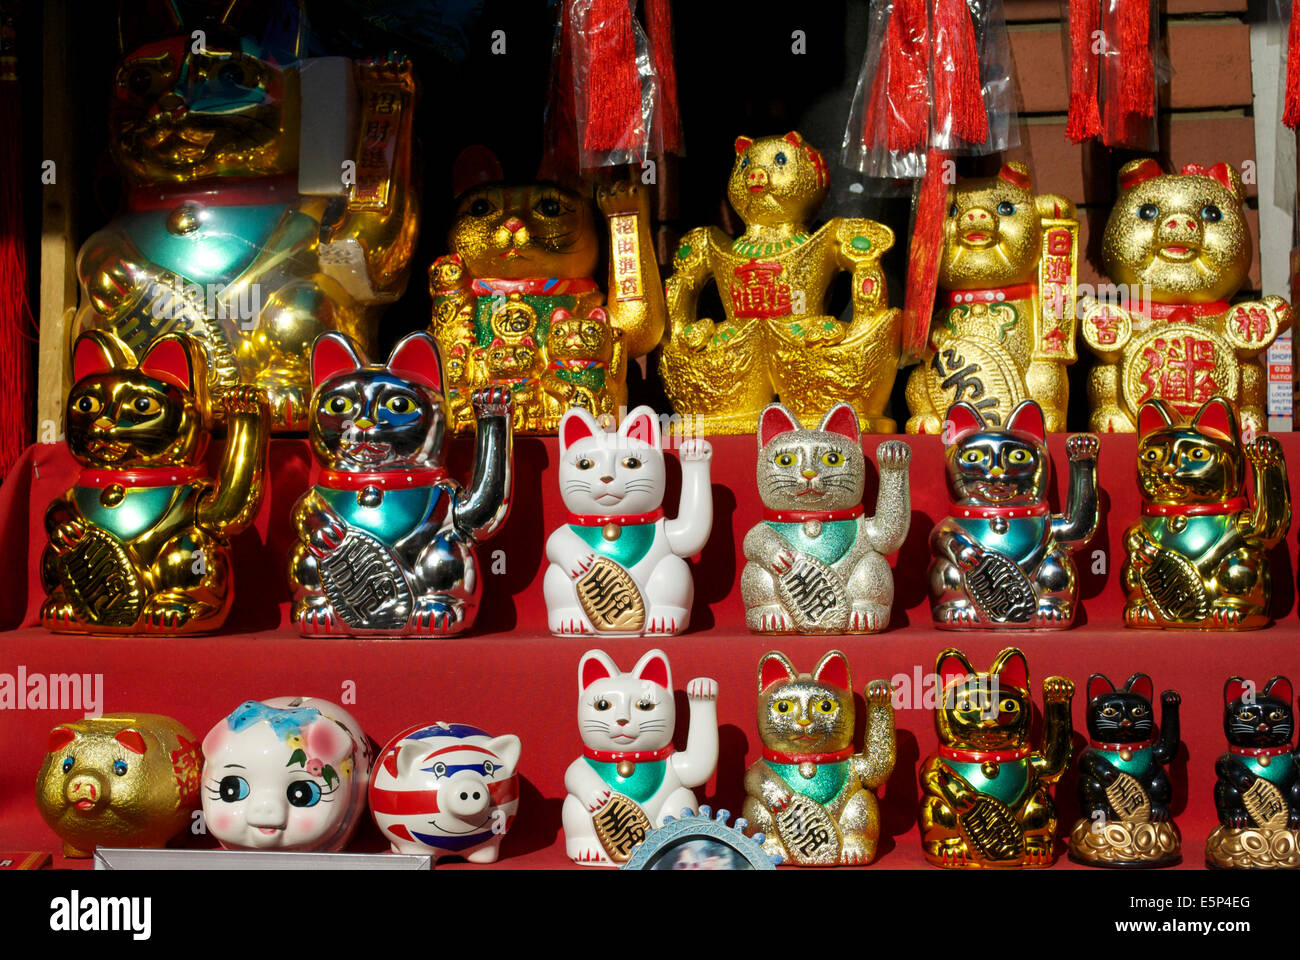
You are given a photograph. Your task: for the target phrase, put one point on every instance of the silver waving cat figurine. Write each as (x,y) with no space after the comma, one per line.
(1001,559)
(385,537)
(816,564)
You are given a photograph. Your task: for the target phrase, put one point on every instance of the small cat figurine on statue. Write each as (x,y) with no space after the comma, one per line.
(987,799)
(811,795)
(1257,794)
(1197,559)
(385,538)
(628,779)
(1124,792)
(618,567)
(1001,559)
(141,542)
(816,564)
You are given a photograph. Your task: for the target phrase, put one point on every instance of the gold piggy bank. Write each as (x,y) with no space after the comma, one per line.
(1177,248)
(1004,329)
(776,337)
(120,780)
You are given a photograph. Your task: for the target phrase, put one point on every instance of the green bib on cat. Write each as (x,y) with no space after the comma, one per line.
(1277,771)
(1019,538)
(644,783)
(1008,786)
(834,541)
(139,510)
(823,786)
(398,513)
(543,306)
(633,543)
(1193,540)
(1136,765)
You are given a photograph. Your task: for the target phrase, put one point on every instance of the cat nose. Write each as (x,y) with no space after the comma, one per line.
(513,224)
(621,722)
(995,471)
(1125,722)
(363,424)
(608,480)
(103,423)
(809,474)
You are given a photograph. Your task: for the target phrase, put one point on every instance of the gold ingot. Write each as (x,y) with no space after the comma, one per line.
(1004,329)
(776,337)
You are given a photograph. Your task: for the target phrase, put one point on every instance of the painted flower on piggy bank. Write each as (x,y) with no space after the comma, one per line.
(285,774)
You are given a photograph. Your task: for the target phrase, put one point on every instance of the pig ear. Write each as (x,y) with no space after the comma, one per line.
(577,424)
(1138,171)
(833,669)
(1153,416)
(641,424)
(1233,688)
(60,737)
(743,144)
(653,667)
(1218,415)
(1279,687)
(1016,174)
(1141,684)
(327,740)
(595,665)
(962,419)
(98,351)
(215,737)
(332,354)
(131,740)
(842,419)
(416,358)
(508,749)
(775,667)
(170,361)
(774,421)
(1028,418)
(1099,684)
(1011,667)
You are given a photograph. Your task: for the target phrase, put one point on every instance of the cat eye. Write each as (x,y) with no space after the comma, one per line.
(1276,715)
(1018,456)
(826,706)
(602,704)
(1148,211)
(832,459)
(303,793)
(631,462)
(1139,711)
(1006,209)
(549,207)
(584,464)
(399,404)
(1199,453)
(783,706)
(480,207)
(1109,712)
(231,75)
(1010,706)
(972,456)
(1246,715)
(146,406)
(1152,455)
(338,405)
(1211,214)
(88,404)
(645,704)
(785,459)
(232,789)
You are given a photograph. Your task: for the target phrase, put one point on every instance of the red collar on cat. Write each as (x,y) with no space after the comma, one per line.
(822,516)
(618,756)
(140,477)
(835,756)
(383,479)
(983,756)
(1261,751)
(1017,291)
(1012,512)
(1181,312)
(578,365)
(619,520)
(541,286)
(246,191)
(1117,747)
(1194,509)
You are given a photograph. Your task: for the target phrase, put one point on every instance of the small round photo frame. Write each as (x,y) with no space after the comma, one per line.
(701,842)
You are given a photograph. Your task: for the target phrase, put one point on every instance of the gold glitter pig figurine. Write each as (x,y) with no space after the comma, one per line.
(515,302)
(811,795)
(1004,332)
(986,795)
(1177,247)
(1197,559)
(776,337)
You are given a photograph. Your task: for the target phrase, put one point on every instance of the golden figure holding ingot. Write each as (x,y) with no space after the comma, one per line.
(1177,247)
(776,337)
(1005,331)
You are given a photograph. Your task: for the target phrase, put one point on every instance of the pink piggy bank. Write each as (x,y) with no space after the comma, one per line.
(285,774)
(446,789)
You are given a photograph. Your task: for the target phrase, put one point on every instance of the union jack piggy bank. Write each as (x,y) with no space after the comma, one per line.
(446,789)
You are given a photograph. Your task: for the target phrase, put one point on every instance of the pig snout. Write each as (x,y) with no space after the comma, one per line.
(464,797)
(86,791)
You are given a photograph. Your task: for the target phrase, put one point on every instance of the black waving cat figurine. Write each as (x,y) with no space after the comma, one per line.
(1124,792)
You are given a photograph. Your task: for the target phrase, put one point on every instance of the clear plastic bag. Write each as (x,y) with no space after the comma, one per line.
(1116,68)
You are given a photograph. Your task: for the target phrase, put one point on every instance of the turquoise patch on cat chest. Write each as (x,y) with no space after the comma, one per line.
(397,514)
(1008,786)
(1277,771)
(1021,536)
(835,539)
(643,784)
(1198,536)
(1138,764)
(628,549)
(823,786)
(139,510)
(220,248)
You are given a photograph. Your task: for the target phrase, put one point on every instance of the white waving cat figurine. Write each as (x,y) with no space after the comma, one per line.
(617,566)
(628,778)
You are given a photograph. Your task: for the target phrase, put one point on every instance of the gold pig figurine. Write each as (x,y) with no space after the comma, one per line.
(773,279)
(141,541)
(1004,330)
(1177,248)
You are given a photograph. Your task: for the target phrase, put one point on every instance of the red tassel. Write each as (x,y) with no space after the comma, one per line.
(958,93)
(907,86)
(1291,113)
(560,158)
(1137,90)
(923,255)
(1084,121)
(611,82)
(16,322)
(659,26)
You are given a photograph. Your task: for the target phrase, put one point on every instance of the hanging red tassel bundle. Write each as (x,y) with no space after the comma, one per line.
(659,26)
(958,93)
(1084,120)
(1291,111)
(611,83)
(1137,86)
(1112,73)
(899,105)
(924,253)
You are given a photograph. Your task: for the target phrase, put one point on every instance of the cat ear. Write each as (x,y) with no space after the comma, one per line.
(641,424)
(98,351)
(332,354)
(952,663)
(774,421)
(842,419)
(1233,688)
(962,419)
(416,358)
(576,424)
(1153,416)
(1011,667)
(1141,684)
(595,665)
(1098,685)
(1219,416)
(170,360)
(508,748)
(473,167)
(775,667)
(1028,418)
(1280,688)
(653,668)
(743,144)
(833,669)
